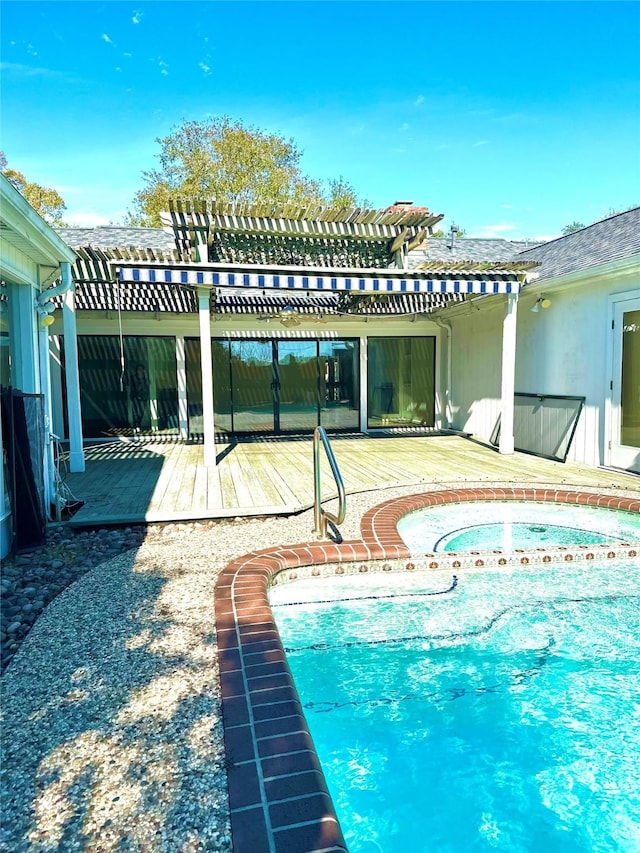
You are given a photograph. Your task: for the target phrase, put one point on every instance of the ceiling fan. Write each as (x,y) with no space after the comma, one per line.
(289,316)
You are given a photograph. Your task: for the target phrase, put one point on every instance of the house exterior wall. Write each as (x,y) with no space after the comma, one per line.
(241,327)
(564,350)
(31,255)
(20,274)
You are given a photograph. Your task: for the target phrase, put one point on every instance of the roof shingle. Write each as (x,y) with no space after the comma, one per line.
(609,240)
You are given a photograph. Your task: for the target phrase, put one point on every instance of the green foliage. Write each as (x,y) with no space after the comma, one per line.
(45,200)
(223,159)
(340,193)
(571,227)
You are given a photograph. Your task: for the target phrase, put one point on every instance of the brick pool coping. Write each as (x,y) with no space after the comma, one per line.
(278,796)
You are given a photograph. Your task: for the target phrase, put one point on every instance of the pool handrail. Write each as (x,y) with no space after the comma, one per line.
(322,517)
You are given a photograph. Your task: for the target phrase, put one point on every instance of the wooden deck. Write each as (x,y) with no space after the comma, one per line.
(148,481)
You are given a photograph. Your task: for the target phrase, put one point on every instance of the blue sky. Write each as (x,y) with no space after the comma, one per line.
(511,118)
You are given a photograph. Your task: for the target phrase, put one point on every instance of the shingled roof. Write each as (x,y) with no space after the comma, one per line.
(611,239)
(109,236)
(362,239)
(441,251)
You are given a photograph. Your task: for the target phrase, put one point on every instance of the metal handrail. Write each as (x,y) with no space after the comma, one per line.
(322,517)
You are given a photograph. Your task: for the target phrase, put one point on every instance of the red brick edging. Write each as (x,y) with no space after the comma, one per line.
(278,795)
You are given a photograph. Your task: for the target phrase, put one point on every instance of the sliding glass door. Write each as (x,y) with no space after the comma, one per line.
(253,383)
(128,385)
(277,386)
(297,385)
(401,382)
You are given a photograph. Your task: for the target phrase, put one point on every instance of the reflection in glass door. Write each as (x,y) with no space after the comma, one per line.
(276,385)
(253,384)
(339,385)
(297,386)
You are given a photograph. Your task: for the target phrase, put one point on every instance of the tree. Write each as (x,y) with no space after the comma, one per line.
(45,200)
(224,159)
(573,226)
(341,193)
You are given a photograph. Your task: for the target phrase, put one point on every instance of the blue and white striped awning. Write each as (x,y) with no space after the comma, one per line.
(357,281)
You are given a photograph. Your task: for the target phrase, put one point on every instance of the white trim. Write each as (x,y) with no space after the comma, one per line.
(21,218)
(614,365)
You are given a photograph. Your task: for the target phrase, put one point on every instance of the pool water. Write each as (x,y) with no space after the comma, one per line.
(492,525)
(490,710)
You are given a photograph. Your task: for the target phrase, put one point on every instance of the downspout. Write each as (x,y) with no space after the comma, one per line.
(446,325)
(44,303)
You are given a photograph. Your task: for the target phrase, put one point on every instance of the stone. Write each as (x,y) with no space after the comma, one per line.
(14,627)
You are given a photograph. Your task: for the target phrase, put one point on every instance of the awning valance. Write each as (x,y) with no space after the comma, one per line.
(358,281)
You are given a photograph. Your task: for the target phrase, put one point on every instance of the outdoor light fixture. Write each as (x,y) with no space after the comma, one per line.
(45,312)
(540,303)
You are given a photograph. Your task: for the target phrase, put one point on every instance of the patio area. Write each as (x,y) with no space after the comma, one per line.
(129,482)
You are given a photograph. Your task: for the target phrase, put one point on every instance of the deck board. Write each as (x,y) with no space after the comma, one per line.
(137,481)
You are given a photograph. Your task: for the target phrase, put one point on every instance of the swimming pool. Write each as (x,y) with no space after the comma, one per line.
(278,793)
(492,709)
(487,525)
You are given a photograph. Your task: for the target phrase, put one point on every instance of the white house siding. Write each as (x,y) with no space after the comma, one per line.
(562,350)
(476,353)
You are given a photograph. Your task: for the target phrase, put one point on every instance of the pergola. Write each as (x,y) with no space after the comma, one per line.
(271,256)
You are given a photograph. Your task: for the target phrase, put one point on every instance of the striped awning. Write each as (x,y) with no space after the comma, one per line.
(358,281)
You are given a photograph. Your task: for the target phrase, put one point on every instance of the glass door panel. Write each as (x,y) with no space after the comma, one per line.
(630,403)
(339,386)
(401,377)
(127,387)
(252,385)
(221,385)
(625,422)
(297,387)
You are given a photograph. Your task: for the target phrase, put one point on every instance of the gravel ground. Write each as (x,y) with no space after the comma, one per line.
(112,734)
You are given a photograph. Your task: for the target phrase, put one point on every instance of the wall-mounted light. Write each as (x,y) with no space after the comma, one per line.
(45,313)
(540,303)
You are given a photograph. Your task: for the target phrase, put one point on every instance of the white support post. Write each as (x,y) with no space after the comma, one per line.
(25,372)
(204,295)
(506,444)
(183,412)
(72,374)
